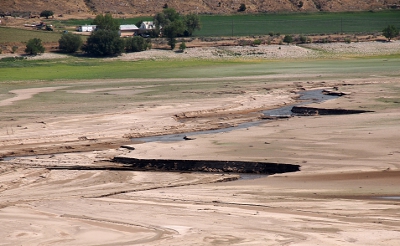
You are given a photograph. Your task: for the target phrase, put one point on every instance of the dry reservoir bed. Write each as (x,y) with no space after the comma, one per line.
(345,194)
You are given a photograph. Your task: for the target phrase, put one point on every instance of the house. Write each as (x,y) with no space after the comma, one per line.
(147,25)
(128,30)
(86,28)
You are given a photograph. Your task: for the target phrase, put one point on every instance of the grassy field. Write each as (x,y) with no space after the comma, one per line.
(299,23)
(302,23)
(77,69)
(9,35)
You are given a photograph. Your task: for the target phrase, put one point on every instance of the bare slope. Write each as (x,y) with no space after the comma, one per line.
(149,7)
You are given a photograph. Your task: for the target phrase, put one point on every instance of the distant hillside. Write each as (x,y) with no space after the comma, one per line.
(150,7)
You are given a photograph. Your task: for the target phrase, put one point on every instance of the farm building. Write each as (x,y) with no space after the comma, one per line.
(86,28)
(124,30)
(128,30)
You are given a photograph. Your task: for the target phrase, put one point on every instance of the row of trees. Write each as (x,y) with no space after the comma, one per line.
(101,44)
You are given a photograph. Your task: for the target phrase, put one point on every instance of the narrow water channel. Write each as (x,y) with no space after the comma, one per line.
(306,97)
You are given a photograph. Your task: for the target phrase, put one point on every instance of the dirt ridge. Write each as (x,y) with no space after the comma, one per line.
(150,7)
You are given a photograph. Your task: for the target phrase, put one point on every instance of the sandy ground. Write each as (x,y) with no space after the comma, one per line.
(347,192)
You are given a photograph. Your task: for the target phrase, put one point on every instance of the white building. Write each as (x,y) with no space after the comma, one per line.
(147,25)
(128,30)
(86,28)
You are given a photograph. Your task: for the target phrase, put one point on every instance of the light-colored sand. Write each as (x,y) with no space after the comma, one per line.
(24,94)
(347,163)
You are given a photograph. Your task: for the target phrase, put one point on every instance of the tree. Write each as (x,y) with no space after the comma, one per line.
(174,29)
(104,43)
(70,43)
(288,39)
(106,22)
(192,22)
(242,7)
(174,25)
(164,18)
(34,46)
(390,32)
(137,44)
(139,23)
(46,13)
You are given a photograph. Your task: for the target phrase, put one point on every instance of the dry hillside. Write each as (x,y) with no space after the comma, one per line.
(149,7)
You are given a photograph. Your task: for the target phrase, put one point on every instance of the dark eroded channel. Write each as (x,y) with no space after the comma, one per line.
(205,166)
(308,111)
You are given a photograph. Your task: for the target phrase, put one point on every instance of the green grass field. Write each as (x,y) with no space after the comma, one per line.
(298,23)
(9,35)
(77,69)
(302,23)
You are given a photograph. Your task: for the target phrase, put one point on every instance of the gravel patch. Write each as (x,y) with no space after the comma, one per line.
(360,48)
(313,50)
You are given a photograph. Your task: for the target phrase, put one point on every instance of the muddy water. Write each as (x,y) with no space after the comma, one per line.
(306,97)
(389,198)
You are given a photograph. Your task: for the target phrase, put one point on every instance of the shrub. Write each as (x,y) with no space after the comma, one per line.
(390,32)
(34,46)
(303,39)
(12,59)
(257,42)
(347,40)
(172,43)
(70,43)
(242,7)
(288,39)
(137,44)
(182,46)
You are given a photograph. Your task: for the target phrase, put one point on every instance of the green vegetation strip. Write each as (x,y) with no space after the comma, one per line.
(77,69)
(297,23)
(300,23)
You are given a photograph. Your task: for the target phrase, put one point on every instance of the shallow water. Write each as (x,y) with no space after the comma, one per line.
(306,97)
(250,176)
(389,197)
